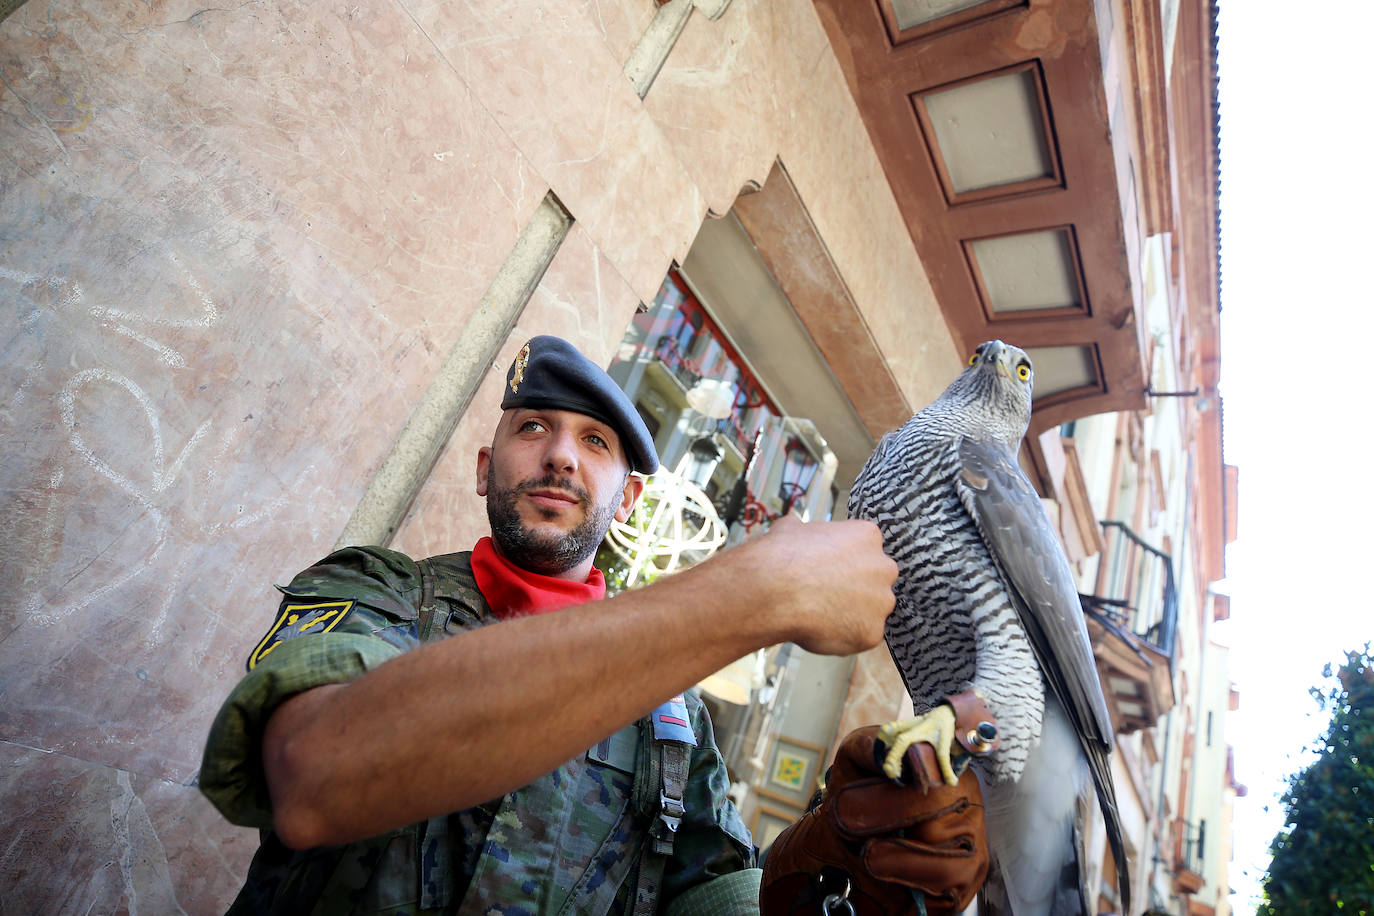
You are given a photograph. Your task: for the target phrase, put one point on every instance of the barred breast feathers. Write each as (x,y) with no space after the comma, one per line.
(954,625)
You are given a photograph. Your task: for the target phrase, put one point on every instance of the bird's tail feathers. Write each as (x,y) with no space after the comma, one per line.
(1031,826)
(1106,796)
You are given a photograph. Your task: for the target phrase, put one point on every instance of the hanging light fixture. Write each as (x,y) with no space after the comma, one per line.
(798,470)
(699,464)
(712,397)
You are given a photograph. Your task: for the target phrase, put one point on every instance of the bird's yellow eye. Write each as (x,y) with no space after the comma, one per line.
(973,359)
(1023,372)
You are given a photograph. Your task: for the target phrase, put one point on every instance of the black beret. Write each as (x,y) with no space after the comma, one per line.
(550,373)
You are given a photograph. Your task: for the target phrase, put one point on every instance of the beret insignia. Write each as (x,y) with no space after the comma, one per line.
(300,620)
(517,374)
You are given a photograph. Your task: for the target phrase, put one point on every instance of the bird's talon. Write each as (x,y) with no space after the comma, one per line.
(892,749)
(935,727)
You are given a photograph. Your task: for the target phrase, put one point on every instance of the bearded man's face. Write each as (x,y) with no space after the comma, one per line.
(554,480)
(546,550)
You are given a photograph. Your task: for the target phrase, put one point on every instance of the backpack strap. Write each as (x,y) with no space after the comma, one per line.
(427,608)
(660,785)
(434,845)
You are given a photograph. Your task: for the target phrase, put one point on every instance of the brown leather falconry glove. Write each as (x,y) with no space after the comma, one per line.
(887,843)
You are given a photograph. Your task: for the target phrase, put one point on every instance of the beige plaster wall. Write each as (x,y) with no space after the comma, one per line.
(235,246)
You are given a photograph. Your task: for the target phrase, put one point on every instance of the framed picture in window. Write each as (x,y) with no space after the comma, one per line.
(793,771)
(768,823)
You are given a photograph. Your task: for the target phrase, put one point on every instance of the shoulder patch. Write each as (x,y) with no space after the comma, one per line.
(300,620)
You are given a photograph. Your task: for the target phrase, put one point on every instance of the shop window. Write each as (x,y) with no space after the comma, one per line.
(713,422)
(732,462)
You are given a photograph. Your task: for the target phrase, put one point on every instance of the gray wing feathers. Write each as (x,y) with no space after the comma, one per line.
(1018,534)
(1025,547)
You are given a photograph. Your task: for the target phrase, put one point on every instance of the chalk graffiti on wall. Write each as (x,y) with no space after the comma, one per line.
(134,461)
(68,294)
(64,295)
(142,494)
(144,472)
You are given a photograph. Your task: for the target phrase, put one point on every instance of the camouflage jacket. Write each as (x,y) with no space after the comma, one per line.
(569,842)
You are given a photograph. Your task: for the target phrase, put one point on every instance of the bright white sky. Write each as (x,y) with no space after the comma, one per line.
(1297,322)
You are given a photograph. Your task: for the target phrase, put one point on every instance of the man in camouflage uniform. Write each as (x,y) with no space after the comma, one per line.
(401,755)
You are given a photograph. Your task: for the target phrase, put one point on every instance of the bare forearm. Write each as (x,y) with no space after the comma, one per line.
(478,715)
(459,722)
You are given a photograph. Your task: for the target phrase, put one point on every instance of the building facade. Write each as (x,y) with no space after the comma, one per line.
(265,267)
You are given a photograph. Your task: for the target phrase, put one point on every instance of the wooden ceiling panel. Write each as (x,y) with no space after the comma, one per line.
(905,21)
(1028,276)
(895,73)
(1021,146)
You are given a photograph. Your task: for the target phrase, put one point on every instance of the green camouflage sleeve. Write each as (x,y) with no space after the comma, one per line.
(713,854)
(344,616)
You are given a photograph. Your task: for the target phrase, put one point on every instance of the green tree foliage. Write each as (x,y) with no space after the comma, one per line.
(1323,858)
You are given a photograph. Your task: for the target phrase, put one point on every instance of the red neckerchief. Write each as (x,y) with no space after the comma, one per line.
(515,592)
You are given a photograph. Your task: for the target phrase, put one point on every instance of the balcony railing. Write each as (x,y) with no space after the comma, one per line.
(1135,588)
(1193,839)
(1133,619)
(1188,874)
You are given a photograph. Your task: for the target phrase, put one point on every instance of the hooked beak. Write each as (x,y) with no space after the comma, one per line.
(993,355)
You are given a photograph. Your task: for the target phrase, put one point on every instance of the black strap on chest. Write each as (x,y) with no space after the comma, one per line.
(427,609)
(659,788)
(435,861)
